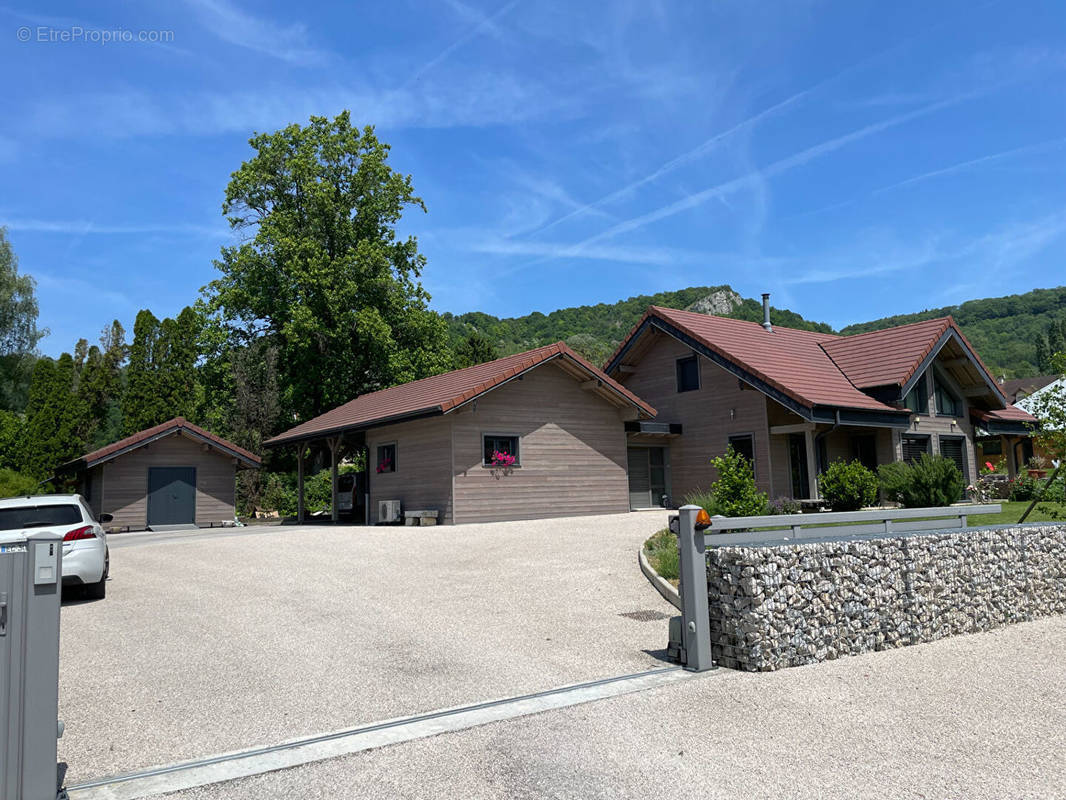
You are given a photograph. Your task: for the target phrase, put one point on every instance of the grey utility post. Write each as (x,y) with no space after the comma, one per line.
(30,577)
(695,615)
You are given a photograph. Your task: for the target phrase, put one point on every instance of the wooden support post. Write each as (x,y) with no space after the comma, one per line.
(812,464)
(334,446)
(300,483)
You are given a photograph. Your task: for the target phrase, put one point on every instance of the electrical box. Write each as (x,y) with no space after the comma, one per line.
(388,511)
(30,591)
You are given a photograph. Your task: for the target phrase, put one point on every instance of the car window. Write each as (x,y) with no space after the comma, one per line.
(33,516)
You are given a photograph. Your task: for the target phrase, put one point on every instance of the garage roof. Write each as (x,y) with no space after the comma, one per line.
(179,426)
(440,394)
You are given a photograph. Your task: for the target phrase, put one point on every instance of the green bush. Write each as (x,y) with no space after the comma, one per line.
(930,481)
(1022,488)
(15,484)
(734,493)
(848,486)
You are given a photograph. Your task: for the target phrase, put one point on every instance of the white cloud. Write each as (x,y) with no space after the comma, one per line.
(290,43)
(87,227)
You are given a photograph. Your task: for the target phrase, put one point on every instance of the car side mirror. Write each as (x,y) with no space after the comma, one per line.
(106,517)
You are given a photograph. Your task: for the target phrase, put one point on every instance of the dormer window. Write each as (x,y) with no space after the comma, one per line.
(947,404)
(917,399)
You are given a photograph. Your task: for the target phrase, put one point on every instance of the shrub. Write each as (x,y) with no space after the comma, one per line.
(15,484)
(848,486)
(930,481)
(662,552)
(734,493)
(786,505)
(1022,488)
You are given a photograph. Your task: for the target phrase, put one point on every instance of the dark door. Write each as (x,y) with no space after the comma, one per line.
(797,460)
(639,477)
(171,495)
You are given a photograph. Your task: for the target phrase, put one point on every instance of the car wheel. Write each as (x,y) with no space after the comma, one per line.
(97,591)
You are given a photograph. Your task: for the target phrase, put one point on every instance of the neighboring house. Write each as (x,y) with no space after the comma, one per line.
(1027,450)
(793,401)
(173,474)
(430,443)
(1018,388)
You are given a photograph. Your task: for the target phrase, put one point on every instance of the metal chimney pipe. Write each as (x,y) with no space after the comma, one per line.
(766,312)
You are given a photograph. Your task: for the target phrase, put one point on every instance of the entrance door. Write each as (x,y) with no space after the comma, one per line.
(648,479)
(797,462)
(171,495)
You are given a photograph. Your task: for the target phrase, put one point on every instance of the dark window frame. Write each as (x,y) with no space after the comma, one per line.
(485,437)
(920,391)
(751,438)
(680,365)
(392,465)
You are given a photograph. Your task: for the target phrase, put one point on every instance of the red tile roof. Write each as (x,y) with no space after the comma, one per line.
(141,438)
(1008,414)
(886,357)
(792,361)
(440,394)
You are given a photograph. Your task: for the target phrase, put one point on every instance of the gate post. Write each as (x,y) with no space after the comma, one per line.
(695,614)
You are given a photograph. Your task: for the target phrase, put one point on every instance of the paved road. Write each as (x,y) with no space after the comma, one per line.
(974,717)
(229,640)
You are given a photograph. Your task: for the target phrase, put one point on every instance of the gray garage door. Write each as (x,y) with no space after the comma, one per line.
(171,495)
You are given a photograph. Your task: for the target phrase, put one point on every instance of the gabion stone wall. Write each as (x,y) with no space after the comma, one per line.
(786,605)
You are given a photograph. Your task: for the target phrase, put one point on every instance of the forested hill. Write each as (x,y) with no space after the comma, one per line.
(1011,333)
(595,331)
(1015,335)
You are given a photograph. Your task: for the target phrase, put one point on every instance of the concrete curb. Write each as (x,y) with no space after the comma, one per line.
(662,586)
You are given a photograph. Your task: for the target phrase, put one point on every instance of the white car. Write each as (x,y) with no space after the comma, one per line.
(85,557)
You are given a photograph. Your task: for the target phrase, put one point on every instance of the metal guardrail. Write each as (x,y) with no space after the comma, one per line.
(692,542)
(791,527)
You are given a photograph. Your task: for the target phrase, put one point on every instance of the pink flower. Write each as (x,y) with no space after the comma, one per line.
(989,465)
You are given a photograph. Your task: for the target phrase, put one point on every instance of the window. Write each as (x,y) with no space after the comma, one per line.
(992,447)
(745,445)
(498,450)
(688,374)
(387,457)
(914,446)
(954,447)
(917,399)
(34,516)
(947,404)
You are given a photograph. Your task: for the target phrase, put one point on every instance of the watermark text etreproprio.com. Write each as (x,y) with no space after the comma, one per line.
(76,34)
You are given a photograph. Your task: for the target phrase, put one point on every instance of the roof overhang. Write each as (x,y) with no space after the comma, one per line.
(953,335)
(82,464)
(360,427)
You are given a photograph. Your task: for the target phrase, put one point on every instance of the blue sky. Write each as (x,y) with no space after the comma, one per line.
(856,159)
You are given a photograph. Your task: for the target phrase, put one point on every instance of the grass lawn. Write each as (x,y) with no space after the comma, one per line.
(1012,512)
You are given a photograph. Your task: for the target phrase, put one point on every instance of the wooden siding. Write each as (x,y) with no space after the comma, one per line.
(572,452)
(720,408)
(423,477)
(125,481)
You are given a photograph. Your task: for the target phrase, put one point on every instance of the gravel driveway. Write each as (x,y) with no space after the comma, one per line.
(211,642)
(979,717)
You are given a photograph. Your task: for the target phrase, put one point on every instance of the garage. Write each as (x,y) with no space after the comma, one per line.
(174,475)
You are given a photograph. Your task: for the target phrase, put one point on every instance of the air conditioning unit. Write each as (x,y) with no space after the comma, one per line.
(388,510)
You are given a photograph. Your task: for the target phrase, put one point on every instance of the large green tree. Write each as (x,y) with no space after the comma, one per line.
(50,435)
(321,272)
(19,333)
(100,386)
(162,380)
